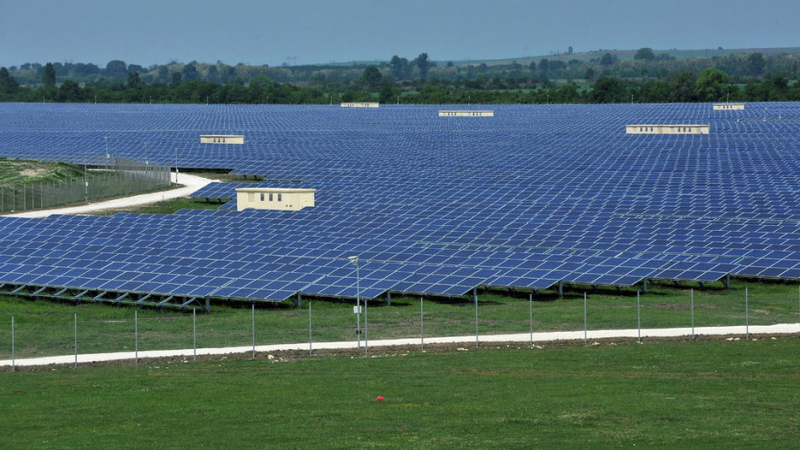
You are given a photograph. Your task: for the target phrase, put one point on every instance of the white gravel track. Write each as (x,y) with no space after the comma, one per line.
(469,340)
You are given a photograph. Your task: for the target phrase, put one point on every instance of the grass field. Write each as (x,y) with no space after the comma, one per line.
(704,394)
(18,171)
(45,328)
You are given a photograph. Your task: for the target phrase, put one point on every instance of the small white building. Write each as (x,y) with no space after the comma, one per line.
(667,129)
(222,139)
(285,199)
(465,113)
(728,106)
(361,105)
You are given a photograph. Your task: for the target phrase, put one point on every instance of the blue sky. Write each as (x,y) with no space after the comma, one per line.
(149,32)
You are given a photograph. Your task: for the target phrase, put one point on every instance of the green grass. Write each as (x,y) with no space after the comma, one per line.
(18,171)
(167,207)
(45,328)
(705,394)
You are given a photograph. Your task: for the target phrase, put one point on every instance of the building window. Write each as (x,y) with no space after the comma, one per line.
(279,197)
(262,196)
(270,196)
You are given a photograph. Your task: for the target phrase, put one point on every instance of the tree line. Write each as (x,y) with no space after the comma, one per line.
(739,77)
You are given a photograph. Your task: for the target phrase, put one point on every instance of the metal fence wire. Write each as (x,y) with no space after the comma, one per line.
(115,177)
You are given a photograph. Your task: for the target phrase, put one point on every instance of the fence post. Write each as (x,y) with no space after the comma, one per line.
(530,310)
(76,340)
(692,307)
(585,322)
(13,354)
(194,331)
(421,325)
(310,348)
(746,315)
(136,333)
(639,316)
(475,296)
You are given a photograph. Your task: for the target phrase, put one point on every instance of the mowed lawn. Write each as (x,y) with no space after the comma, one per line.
(680,394)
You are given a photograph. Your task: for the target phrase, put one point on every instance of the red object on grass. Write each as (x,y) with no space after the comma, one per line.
(380,398)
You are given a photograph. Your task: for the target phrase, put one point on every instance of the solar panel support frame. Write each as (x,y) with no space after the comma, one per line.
(36,294)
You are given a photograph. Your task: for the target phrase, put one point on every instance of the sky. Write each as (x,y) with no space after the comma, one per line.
(275,32)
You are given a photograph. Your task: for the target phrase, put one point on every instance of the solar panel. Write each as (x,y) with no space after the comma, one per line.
(538,195)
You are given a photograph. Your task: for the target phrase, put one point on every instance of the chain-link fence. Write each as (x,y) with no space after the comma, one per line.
(68,332)
(116,177)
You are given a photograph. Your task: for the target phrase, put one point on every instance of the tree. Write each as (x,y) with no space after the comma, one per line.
(682,84)
(711,86)
(389,94)
(49,75)
(532,66)
(423,64)
(609,90)
(190,72)
(163,74)
(116,69)
(8,84)
(176,79)
(755,64)
(607,60)
(213,74)
(645,53)
(569,50)
(589,74)
(134,82)
(371,77)
(69,91)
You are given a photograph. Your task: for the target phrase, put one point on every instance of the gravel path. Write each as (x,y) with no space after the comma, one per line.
(657,333)
(190,183)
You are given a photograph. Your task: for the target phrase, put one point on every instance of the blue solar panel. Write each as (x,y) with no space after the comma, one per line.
(536,195)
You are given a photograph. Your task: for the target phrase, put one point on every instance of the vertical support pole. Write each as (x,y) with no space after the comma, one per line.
(560,289)
(692,307)
(299,300)
(253,320)
(530,310)
(13,354)
(746,314)
(644,285)
(136,335)
(727,281)
(421,325)
(639,316)
(208,304)
(475,297)
(76,340)
(585,322)
(358,304)
(366,334)
(194,332)
(388,298)
(310,349)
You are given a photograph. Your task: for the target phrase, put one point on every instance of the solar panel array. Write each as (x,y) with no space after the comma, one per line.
(432,205)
